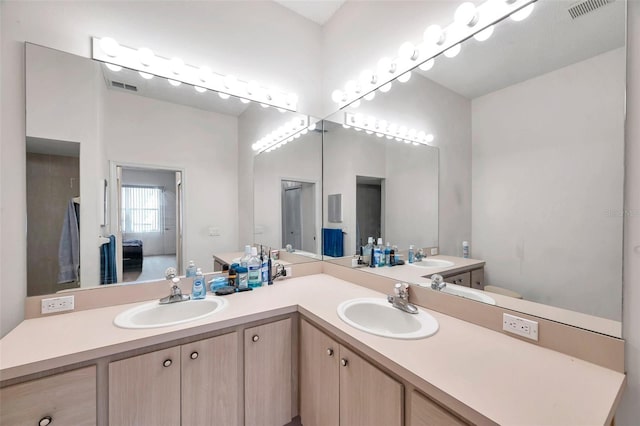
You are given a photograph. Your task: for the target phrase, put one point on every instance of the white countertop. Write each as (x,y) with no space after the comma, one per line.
(507,380)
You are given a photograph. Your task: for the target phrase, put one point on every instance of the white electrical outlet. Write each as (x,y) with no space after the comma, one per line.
(58,304)
(434,251)
(520,326)
(289,271)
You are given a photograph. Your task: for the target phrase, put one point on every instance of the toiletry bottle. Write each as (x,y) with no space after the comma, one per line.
(264,270)
(270,266)
(231,279)
(243,277)
(247,255)
(254,267)
(198,291)
(387,254)
(392,256)
(465,249)
(368,252)
(375,258)
(411,254)
(191,269)
(381,255)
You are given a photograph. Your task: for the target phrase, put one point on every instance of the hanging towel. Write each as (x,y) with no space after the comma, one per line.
(332,242)
(108,273)
(69,247)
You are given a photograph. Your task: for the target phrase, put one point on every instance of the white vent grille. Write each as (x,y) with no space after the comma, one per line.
(124,86)
(586,6)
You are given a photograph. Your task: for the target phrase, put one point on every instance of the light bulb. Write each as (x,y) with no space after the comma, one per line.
(393,128)
(352,87)
(290,139)
(367,77)
(146,56)
(109,46)
(421,135)
(484,34)
(523,13)
(244,101)
(385,88)
(434,35)
(369,96)
(145,75)
(382,125)
(466,14)
(264,105)
(200,89)
(359,118)
(230,81)
(356,104)
(346,126)
(357,129)
(253,87)
(427,65)
(386,66)
(297,135)
(369,132)
(416,144)
(405,77)
(337,96)
(453,51)
(174,83)
(408,51)
(406,141)
(292,99)
(402,131)
(379,135)
(176,65)
(281,110)
(412,133)
(389,137)
(223,95)
(204,74)
(114,67)
(429,138)
(312,126)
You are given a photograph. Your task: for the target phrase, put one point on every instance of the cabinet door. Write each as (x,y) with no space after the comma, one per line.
(319,378)
(145,390)
(210,381)
(368,397)
(267,374)
(477,279)
(62,399)
(463,279)
(425,412)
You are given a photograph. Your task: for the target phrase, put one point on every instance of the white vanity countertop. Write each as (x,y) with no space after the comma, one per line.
(507,380)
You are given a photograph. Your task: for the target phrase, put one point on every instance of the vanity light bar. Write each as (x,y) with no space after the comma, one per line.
(389,130)
(176,71)
(284,134)
(468,20)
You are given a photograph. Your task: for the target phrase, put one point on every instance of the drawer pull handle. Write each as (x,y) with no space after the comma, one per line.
(194,355)
(255,338)
(344,362)
(330,352)
(167,362)
(45,421)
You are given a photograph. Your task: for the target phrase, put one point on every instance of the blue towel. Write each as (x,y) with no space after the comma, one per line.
(332,242)
(108,272)
(69,247)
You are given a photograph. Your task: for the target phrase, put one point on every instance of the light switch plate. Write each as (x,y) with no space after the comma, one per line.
(520,326)
(57,304)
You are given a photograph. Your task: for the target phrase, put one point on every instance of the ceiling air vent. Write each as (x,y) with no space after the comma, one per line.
(586,6)
(124,86)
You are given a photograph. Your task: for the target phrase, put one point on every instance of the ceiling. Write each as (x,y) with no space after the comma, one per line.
(318,11)
(518,51)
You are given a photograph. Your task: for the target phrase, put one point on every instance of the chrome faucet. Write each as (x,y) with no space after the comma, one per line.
(437,282)
(176,294)
(401,299)
(420,255)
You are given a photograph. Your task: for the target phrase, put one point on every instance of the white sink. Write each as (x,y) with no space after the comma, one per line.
(432,263)
(153,314)
(457,290)
(377,316)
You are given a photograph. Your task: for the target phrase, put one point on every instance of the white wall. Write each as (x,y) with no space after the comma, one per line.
(547,158)
(252,40)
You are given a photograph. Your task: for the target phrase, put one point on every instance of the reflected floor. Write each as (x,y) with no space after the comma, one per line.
(153,268)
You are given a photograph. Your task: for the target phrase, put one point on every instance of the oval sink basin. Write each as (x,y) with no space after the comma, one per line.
(432,263)
(153,314)
(379,317)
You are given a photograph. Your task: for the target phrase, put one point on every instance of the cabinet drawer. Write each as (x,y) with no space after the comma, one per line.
(463,279)
(425,412)
(66,398)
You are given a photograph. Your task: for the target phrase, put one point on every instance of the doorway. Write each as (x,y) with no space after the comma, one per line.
(369,209)
(299,215)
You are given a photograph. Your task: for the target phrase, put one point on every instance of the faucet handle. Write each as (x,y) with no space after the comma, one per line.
(170,273)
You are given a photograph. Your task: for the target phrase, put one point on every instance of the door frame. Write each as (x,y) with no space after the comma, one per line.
(317,185)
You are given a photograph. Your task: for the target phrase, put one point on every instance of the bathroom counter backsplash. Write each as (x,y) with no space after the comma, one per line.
(560,389)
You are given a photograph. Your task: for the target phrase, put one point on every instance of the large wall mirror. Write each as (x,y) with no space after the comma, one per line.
(529,126)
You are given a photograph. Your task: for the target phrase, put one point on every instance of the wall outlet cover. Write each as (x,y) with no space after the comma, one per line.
(520,326)
(57,304)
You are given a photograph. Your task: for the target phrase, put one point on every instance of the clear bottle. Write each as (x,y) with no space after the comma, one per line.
(198,290)
(247,255)
(368,252)
(411,255)
(387,254)
(264,270)
(242,280)
(191,269)
(465,249)
(254,267)
(375,257)
(381,253)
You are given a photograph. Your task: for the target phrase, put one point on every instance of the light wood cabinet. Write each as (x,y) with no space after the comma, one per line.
(477,279)
(425,412)
(473,278)
(193,384)
(268,374)
(62,399)
(339,387)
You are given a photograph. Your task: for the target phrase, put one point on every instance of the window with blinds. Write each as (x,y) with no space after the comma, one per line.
(142,208)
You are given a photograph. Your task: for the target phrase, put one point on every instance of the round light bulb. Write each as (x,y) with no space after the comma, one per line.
(379,135)
(297,135)
(405,77)
(223,95)
(204,74)
(200,89)
(484,34)
(145,75)
(382,125)
(429,138)
(174,83)
(393,128)
(434,35)
(230,81)
(244,101)
(466,14)
(367,77)
(356,104)
(453,51)
(523,13)
(337,96)
(264,105)
(412,133)
(253,87)
(402,131)
(427,65)
(386,66)
(146,56)
(352,87)
(408,51)
(292,99)
(346,126)
(176,65)
(358,119)
(369,96)
(312,126)
(114,67)
(109,46)
(385,88)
